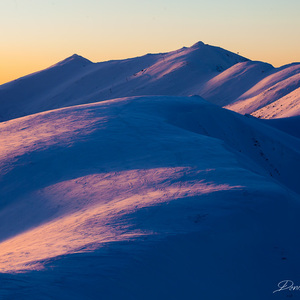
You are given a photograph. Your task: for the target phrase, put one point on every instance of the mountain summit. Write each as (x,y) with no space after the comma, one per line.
(74,59)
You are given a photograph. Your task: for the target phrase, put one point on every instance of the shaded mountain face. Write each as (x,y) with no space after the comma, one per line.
(133,198)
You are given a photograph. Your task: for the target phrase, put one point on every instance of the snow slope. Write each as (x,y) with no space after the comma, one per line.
(228,86)
(290,125)
(277,95)
(147,198)
(78,81)
(287,106)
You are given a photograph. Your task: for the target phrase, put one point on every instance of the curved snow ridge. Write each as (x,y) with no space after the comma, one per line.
(268,96)
(287,106)
(233,82)
(277,76)
(276,86)
(122,170)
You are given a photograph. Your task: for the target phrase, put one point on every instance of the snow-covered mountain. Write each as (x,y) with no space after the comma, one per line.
(79,81)
(219,76)
(147,197)
(155,195)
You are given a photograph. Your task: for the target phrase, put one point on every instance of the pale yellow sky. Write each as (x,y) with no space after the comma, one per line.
(36,34)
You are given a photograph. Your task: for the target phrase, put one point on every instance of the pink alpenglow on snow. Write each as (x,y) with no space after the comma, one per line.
(149,197)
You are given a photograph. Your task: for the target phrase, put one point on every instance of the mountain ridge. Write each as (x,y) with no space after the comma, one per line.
(171,73)
(218,75)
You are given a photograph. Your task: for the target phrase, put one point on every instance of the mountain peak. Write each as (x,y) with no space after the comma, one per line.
(74,59)
(198,45)
(75,56)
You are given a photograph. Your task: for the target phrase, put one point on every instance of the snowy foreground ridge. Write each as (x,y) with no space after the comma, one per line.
(147,198)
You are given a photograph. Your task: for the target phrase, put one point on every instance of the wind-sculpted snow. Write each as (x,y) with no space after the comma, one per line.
(146,198)
(92,210)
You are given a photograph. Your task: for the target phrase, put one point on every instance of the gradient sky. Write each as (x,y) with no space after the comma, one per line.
(37,33)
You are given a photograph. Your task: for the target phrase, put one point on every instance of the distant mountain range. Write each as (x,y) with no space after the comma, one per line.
(217,75)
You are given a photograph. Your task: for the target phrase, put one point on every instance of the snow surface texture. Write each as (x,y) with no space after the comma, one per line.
(219,76)
(147,198)
(276,96)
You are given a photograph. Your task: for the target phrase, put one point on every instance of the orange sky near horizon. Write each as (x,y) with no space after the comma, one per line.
(37,34)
